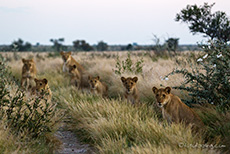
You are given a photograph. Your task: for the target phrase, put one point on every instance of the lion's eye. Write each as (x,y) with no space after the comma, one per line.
(40,84)
(163,95)
(157,95)
(131,83)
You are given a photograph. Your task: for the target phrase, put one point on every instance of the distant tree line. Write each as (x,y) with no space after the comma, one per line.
(171,44)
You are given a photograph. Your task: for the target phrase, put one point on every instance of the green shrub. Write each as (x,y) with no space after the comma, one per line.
(209,80)
(128,65)
(33,116)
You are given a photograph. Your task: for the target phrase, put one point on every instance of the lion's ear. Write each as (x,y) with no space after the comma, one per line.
(135,79)
(123,79)
(168,90)
(155,90)
(23,60)
(70,53)
(98,78)
(61,52)
(89,77)
(45,80)
(35,80)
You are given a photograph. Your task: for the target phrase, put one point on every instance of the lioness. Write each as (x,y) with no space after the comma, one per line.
(174,110)
(42,89)
(131,92)
(97,87)
(75,77)
(69,60)
(29,72)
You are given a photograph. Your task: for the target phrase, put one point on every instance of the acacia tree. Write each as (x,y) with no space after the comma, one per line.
(82,45)
(20,45)
(201,20)
(57,44)
(102,46)
(172,44)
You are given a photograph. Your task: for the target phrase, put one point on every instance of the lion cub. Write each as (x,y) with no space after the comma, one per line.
(69,60)
(42,89)
(75,77)
(98,87)
(131,93)
(29,72)
(174,110)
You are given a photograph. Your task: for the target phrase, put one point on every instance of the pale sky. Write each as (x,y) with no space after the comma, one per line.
(113,21)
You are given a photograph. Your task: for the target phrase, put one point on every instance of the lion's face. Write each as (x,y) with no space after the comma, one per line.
(41,85)
(129,83)
(27,65)
(93,81)
(162,95)
(65,56)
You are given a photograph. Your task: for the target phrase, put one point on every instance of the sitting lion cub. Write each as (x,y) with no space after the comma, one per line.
(29,72)
(75,77)
(97,87)
(174,110)
(69,60)
(131,93)
(42,89)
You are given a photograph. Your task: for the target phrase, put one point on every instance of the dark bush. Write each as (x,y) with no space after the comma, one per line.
(209,80)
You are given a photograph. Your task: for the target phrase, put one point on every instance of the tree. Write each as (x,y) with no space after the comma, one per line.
(19,45)
(129,47)
(57,44)
(172,44)
(82,45)
(201,20)
(102,46)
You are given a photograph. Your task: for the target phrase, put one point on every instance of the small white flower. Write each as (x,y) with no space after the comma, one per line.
(200,59)
(161,78)
(205,56)
(218,56)
(214,65)
(212,103)
(166,79)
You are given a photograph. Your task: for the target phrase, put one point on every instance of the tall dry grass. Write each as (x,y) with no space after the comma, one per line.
(111,125)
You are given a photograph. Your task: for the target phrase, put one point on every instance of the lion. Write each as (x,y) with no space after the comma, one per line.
(69,60)
(75,77)
(42,89)
(98,87)
(29,72)
(174,110)
(131,92)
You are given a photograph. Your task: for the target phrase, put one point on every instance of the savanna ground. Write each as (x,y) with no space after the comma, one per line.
(111,125)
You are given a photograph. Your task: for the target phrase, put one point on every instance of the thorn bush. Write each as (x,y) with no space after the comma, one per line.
(209,80)
(33,116)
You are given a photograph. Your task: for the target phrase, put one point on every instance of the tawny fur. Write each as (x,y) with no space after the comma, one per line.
(131,92)
(29,72)
(97,87)
(69,60)
(75,77)
(174,110)
(42,89)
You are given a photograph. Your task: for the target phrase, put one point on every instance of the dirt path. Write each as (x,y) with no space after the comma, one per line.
(70,142)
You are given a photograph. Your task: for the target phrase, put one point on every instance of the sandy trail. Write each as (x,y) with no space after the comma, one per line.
(70,142)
